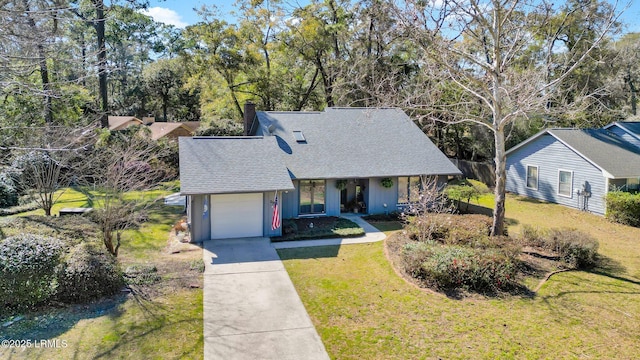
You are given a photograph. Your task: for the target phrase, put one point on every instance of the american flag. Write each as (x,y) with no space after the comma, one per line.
(275,221)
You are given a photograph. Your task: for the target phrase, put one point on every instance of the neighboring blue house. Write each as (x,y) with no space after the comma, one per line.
(575,168)
(319,163)
(627,130)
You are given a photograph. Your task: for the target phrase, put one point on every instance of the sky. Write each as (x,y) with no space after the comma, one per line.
(180,13)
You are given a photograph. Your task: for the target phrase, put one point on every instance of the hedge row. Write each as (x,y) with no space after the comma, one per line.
(623,208)
(37,269)
(449,267)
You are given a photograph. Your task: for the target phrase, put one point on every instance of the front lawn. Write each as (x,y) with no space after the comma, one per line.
(363,309)
(161,318)
(318,228)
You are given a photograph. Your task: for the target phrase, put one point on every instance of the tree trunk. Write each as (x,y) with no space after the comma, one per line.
(497,227)
(633,89)
(102,62)
(44,70)
(326,80)
(165,102)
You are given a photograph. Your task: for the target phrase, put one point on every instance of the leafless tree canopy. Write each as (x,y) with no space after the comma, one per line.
(482,54)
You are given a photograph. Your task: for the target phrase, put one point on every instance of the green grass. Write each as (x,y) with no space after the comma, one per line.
(66,198)
(387,226)
(364,310)
(162,321)
(165,327)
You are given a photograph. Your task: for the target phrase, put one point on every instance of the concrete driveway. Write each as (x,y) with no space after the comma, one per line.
(251,309)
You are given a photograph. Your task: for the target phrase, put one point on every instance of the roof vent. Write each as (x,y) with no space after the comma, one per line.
(299,136)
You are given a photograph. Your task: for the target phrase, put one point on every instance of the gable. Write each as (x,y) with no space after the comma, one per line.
(614,156)
(168,129)
(122,122)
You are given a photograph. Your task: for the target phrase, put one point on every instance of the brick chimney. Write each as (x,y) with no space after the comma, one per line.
(249,116)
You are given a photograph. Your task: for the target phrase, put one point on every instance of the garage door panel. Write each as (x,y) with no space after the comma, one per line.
(236,215)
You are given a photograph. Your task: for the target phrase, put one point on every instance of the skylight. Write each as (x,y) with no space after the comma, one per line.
(299,136)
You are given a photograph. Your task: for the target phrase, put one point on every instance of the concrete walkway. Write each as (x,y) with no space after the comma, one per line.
(251,309)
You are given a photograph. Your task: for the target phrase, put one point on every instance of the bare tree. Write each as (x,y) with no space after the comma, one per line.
(504,60)
(121,168)
(46,166)
(426,195)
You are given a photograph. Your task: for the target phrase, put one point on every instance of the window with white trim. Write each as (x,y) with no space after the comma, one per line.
(565,182)
(532,177)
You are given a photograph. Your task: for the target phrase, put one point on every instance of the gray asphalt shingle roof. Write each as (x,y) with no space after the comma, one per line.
(217,165)
(354,142)
(604,149)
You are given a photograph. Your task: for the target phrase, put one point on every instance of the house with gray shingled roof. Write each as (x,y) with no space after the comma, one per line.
(573,167)
(628,130)
(318,164)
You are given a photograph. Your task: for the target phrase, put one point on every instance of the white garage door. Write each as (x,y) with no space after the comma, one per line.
(236,215)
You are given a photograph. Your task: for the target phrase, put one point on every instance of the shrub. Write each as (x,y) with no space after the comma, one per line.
(71,228)
(28,270)
(19,209)
(449,267)
(145,274)
(392,216)
(413,256)
(461,193)
(197,265)
(623,208)
(289,227)
(87,274)
(576,248)
(449,228)
(8,195)
(532,236)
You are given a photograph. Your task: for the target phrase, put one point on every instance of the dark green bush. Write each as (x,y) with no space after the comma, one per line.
(450,267)
(8,195)
(392,216)
(289,227)
(28,270)
(87,274)
(623,208)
